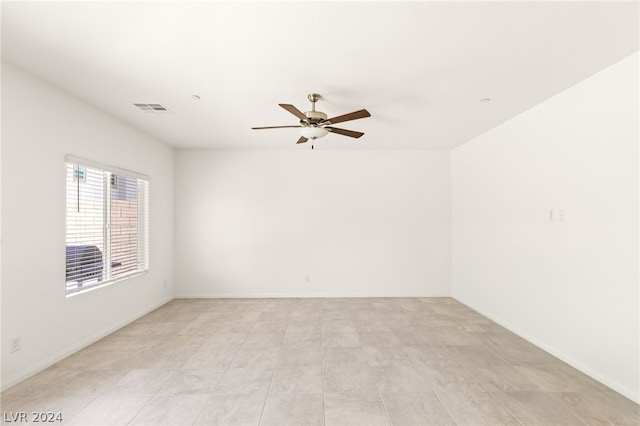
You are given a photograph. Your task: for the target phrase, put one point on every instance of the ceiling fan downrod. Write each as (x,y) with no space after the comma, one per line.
(313,98)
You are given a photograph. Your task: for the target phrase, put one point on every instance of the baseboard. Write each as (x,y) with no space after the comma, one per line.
(25,374)
(297,295)
(632,394)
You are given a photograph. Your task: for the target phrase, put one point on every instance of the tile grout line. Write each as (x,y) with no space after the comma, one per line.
(555,398)
(384,406)
(167,383)
(197,417)
(539,389)
(472,375)
(445,406)
(492,393)
(141,409)
(221,376)
(481,385)
(266,398)
(429,384)
(506,408)
(324,406)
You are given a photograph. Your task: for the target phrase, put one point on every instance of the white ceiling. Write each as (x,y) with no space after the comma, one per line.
(420,68)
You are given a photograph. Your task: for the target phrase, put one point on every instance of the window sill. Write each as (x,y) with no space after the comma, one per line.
(74,293)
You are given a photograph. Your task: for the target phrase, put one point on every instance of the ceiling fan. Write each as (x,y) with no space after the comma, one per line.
(315,124)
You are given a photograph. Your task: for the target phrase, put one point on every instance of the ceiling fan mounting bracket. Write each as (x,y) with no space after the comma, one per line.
(313,97)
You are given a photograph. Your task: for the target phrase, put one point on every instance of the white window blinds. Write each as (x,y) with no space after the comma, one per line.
(107,224)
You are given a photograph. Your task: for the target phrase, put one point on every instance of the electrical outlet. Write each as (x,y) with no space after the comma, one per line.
(307,279)
(165,283)
(15,344)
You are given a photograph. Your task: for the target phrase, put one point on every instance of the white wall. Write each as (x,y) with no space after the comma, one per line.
(39,126)
(569,286)
(366,223)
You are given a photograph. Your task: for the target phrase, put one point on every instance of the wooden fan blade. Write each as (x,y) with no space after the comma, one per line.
(272,127)
(363,113)
(302,139)
(345,132)
(295,111)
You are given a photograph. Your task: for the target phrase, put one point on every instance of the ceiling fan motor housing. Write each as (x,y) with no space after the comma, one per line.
(314,117)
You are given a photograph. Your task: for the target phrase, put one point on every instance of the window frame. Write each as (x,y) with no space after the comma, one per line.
(142,226)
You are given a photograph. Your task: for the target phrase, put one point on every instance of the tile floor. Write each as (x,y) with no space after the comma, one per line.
(408,361)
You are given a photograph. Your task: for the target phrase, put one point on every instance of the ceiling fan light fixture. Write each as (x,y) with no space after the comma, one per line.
(313,132)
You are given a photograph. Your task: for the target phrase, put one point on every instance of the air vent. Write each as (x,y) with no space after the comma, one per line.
(157,108)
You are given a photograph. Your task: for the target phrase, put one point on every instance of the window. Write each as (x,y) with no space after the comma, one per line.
(107,224)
